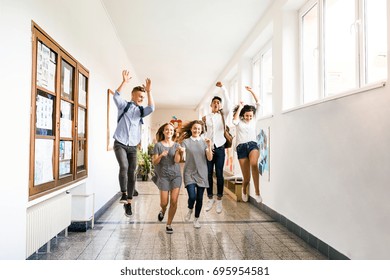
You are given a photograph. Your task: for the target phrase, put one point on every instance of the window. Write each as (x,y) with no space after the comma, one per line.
(343,46)
(262,79)
(59,117)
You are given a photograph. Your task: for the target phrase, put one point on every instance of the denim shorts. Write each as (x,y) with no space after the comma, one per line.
(244,149)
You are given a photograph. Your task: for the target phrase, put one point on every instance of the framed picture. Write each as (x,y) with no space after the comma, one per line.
(111,119)
(263,141)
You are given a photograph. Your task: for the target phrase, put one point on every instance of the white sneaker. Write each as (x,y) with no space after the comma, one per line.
(209,204)
(219,206)
(258,198)
(196,223)
(244,196)
(188,216)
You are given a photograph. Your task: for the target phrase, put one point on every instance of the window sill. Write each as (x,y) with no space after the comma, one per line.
(338,96)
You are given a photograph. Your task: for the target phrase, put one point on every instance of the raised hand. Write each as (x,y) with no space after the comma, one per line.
(147,85)
(248,88)
(126,76)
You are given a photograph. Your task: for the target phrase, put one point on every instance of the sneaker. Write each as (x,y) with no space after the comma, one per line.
(188,216)
(123,198)
(209,204)
(127,207)
(258,198)
(160,216)
(168,229)
(244,196)
(135,192)
(196,223)
(219,206)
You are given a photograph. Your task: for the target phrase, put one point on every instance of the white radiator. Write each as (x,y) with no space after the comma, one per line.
(45,220)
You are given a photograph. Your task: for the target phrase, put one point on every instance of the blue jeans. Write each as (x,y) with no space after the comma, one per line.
(195,194)
(127,159)
(218,160)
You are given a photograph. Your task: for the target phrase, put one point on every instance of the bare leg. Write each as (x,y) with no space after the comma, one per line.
(246,173)
(173,205)
(164,200)
(253,158)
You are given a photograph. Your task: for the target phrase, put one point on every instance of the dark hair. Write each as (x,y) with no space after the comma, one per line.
(185,130)
(160,132)
(246,108)
(138,88)
(216,97)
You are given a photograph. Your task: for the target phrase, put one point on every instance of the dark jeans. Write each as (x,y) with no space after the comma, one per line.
(218,160)
(195,194)
(127,159)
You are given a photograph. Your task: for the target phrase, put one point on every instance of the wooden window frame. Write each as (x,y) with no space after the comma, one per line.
(38,189)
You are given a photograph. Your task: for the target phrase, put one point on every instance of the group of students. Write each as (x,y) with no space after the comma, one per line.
(201,152)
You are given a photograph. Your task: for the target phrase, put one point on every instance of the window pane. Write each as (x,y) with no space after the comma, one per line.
(81,155)
(376,41)
(340,46)
(46,67)
(65,157)
(66,119)
(81,123)
(82,90)
(43,164)
(310,56)
(67,80)
(266,82)
(45,108)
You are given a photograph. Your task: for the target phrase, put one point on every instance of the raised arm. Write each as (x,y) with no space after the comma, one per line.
(236,116)
(256,99)
(253,94)
(125,79)
(227,104)
(148,89)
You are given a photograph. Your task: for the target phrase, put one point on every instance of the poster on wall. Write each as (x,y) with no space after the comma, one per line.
(263,141)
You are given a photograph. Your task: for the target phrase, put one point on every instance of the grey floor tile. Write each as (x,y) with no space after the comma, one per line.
(240,232)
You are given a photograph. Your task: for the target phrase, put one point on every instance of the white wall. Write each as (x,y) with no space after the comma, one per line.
(329,162)
(82,29)
(161,116)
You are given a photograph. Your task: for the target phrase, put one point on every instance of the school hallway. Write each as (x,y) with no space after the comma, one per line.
(241,232)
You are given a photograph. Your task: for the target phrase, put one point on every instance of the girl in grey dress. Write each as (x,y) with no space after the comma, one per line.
(167,172)
(196,150)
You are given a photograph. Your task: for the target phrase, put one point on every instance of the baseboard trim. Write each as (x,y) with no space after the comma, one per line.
(327,250)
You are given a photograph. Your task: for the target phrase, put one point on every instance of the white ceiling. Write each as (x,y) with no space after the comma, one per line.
(182,45)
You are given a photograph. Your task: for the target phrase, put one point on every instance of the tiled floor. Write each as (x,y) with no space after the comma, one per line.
(240,232)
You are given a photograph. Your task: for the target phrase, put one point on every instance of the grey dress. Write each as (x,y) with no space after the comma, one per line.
(167,172)
(195,168)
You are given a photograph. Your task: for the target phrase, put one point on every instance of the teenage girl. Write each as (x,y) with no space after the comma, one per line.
(167,172)
(197,151)
(247,149)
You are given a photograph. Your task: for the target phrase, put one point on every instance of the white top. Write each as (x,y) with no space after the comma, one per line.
(246,131)
(214,123)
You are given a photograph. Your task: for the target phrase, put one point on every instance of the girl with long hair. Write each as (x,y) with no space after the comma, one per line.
(196,151)
(167,172)
(247,150)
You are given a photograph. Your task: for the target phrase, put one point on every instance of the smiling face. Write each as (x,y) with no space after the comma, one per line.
(196,130)
(248,116)
(168,131)
(138,97)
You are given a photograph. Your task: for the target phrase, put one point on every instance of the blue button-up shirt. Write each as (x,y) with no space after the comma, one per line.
(128,130)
